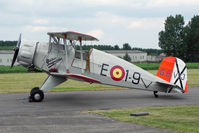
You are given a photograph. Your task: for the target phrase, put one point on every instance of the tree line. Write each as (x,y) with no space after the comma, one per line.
(125,46)
(180,40)
(9,45)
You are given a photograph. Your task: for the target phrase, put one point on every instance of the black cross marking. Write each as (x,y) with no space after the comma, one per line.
(170,89)
(179,77)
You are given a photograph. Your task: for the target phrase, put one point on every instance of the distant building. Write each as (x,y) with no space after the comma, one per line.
(155,58)
(6,57)
(136,55)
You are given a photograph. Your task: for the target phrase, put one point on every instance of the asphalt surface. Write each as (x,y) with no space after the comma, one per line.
(61,112)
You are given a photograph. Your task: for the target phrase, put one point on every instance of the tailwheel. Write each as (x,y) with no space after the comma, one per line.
(155,94)
(36,95)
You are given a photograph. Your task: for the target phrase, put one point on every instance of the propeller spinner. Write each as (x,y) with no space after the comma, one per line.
(16,49)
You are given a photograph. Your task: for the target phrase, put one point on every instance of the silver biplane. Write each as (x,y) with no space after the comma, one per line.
(61,61)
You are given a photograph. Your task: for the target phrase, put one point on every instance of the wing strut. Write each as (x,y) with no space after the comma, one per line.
(81,52)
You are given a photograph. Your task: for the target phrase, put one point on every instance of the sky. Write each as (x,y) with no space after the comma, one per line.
(136,22)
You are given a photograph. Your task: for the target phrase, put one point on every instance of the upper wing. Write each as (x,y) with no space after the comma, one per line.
(71,35)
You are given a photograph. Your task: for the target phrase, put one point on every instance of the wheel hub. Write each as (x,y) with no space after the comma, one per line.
(37,96)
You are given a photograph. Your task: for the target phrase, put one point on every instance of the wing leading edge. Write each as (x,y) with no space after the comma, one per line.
(71,35)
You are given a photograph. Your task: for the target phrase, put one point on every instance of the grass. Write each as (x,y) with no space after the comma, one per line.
(192,65)
(23,82)
(7,47)
(148,66)
(177,118)
(15,69)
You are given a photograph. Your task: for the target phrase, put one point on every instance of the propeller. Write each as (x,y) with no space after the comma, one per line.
(16,49)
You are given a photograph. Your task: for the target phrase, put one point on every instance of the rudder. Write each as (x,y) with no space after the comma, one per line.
(174,70)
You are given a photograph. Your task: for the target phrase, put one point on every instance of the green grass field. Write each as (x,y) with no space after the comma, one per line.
(15,69)
(7,47)
(23,82)
(177,118)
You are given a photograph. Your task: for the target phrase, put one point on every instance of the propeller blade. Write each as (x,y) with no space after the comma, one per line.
(15,56)
(19,41)
(16,49)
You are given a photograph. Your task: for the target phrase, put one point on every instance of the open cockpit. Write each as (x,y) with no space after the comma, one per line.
(62,48)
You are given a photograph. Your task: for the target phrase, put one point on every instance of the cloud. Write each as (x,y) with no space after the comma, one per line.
(41,21)
(108,17)
(171,3)
(32,28)
(140,3)
(129,22)
(105,2)
(113,21)
(146,23)
(96,33)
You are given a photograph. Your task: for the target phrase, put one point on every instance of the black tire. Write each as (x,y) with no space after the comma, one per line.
(34,89)
(36,95)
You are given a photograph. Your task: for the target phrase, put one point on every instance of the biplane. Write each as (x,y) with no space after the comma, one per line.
(61,61)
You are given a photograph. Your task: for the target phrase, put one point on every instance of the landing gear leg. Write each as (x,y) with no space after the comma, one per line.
(155,94)
(36,95)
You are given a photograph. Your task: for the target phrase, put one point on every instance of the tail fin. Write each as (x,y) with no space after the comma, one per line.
(174,70)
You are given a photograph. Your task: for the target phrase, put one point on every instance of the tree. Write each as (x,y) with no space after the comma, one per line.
(192,39)
(126,46)
(116,47)
(127,57)
(150,51)
(171,40)
(7,45)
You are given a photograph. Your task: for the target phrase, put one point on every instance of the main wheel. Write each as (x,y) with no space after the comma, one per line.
(36,95)
(34,89)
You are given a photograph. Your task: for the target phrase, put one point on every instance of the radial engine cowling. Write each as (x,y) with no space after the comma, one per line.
(26,53)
